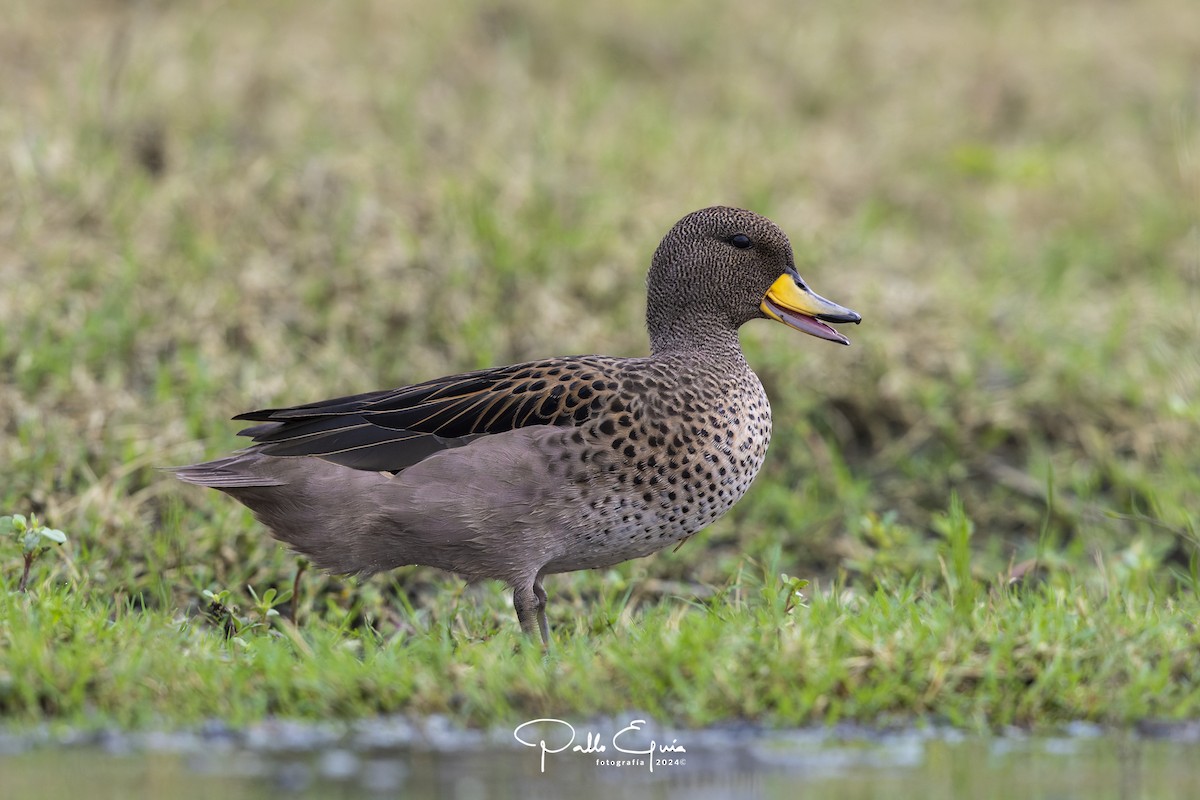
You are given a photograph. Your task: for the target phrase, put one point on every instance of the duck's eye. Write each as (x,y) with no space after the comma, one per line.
(740,240)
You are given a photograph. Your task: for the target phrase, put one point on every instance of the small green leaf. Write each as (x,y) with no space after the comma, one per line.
(31,541)
(220,596)
(53,534)
(6,525)
(19,521)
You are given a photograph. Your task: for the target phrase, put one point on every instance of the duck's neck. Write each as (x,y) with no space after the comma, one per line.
(710,339)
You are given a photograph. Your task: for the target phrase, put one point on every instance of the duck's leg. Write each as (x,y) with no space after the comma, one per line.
(529,609)
(540,594)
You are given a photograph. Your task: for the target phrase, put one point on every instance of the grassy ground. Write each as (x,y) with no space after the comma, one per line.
(214,207)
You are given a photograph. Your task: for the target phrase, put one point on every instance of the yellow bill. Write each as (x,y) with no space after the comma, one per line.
(791,302)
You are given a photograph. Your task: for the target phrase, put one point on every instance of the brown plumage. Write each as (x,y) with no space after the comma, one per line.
(517,472)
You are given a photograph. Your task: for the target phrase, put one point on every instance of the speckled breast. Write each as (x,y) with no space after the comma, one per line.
(675,455)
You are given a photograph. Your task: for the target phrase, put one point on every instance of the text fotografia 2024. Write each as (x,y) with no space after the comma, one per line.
(654,754)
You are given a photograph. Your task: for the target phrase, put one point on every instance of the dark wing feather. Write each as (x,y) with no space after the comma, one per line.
(391,430)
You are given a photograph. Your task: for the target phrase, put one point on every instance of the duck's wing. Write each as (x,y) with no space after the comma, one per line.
(394,429)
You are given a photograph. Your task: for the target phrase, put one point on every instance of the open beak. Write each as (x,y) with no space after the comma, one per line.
(791,302)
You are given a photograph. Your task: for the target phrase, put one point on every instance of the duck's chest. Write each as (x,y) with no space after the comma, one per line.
(671,468)
(715,453)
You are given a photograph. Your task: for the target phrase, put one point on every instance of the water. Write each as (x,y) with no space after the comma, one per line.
(394,757)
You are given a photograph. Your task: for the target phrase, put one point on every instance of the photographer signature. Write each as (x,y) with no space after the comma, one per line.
(593,744)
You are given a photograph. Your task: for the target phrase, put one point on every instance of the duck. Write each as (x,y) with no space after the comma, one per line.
(516,472)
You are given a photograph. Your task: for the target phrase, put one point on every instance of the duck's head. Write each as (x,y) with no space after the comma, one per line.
(721,267)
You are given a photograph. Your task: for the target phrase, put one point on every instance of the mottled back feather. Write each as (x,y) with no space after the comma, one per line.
(390,430)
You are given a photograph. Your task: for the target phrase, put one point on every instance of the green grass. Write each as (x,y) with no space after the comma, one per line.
(209,208)
(754,651)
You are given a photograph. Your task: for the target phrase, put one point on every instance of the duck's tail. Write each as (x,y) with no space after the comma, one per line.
(233,472)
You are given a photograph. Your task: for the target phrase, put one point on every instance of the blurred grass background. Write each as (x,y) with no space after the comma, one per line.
(210,207)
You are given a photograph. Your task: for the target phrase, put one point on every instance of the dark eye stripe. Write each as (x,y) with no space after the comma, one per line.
(740,240)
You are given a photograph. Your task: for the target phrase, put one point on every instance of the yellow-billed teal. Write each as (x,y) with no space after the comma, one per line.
(518,472)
